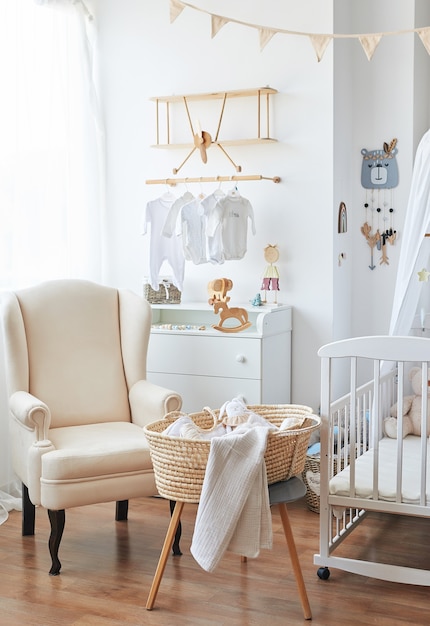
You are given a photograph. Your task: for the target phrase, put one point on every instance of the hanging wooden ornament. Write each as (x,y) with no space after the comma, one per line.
(379,176)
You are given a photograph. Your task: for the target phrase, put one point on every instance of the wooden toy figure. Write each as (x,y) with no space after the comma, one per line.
(217,290)
(271,275)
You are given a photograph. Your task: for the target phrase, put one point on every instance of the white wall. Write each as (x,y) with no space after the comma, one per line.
(322,116)
(374,102)
(383,109)
(143,55)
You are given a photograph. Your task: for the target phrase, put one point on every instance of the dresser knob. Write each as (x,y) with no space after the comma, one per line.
(240,358)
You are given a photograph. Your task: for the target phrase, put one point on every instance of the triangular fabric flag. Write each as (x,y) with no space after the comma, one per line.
(424,34)
(217,22)
(370,43)
(176,9)
(266,35)
(320,43)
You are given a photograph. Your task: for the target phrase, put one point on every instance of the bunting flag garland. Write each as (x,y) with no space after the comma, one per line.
(369,44)
(369,41)
(176,9)
(424,35)
(217,23)
(266,35)
(320,43)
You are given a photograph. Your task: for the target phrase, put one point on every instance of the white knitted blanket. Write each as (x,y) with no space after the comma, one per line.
(234,509)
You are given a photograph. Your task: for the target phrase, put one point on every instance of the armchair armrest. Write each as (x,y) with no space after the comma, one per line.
(150,402)
(31,413)
(34,416)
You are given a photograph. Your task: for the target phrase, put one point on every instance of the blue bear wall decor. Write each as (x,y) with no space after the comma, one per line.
(379,168)
(379,176)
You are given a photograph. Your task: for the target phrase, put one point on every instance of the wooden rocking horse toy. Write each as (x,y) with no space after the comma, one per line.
(218,289)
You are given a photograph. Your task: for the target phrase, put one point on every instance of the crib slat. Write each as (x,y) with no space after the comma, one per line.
(350,449)
(375,424)
(424,412)
(325,515)
(400,387)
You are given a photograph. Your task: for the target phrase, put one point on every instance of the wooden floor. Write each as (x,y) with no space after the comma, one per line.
(108,568)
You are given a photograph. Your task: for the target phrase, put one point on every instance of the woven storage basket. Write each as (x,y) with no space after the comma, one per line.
(180,463)
(311,477)
(167,293)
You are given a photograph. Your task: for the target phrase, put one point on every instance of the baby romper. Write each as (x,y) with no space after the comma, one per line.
(162,248)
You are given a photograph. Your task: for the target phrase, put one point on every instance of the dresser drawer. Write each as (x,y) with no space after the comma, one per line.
(224,356)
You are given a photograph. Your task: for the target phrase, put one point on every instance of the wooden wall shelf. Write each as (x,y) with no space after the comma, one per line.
(257,93)
(201,139)
(217,95)
(229,142)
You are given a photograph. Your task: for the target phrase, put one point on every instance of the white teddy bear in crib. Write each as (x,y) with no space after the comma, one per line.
(411,409)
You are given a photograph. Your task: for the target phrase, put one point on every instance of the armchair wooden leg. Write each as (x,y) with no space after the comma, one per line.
(173,526)
(28,513)
(121,511)
(176,547)
(295,561)
(57,519)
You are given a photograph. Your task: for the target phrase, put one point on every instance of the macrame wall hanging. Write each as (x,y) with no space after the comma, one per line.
(379,176)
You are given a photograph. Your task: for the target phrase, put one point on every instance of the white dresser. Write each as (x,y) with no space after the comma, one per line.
(208,367)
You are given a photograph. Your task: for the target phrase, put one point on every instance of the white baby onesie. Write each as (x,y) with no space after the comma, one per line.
(213,212)
(172,224)
(193,221)
(236,211)
(162,248)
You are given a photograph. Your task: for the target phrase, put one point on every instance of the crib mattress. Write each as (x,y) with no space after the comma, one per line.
(387,474)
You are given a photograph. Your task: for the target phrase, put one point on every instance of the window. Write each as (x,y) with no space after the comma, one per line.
(51,161)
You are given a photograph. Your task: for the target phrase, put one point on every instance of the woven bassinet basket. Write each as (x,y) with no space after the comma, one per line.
(180,463)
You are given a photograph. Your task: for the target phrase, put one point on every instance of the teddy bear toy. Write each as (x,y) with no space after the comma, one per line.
(411,409)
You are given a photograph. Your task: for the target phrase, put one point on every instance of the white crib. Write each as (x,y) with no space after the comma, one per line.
(362,470)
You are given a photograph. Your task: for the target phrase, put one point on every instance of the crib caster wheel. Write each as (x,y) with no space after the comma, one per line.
(323,573)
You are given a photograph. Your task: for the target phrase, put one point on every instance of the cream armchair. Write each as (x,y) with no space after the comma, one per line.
(76,369)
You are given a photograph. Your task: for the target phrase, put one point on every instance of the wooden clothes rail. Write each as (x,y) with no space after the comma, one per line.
(210,179)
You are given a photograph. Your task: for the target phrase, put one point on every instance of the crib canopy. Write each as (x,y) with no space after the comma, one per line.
(412,295)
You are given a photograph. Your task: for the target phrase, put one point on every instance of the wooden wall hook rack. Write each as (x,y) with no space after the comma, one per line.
(210,179)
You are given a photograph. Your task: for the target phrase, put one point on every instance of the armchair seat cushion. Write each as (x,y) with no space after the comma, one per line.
(96,450)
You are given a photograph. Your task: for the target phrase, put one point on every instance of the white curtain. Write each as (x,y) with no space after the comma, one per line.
(410,294)
(51,162)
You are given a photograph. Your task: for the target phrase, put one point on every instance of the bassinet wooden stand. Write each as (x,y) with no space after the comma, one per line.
(280,494)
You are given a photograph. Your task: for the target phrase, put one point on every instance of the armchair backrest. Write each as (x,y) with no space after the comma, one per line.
(78,347)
